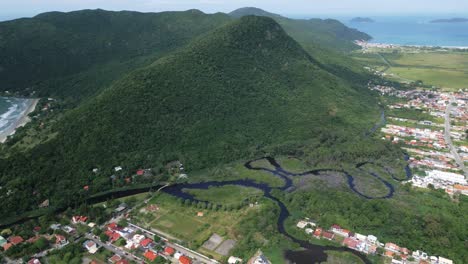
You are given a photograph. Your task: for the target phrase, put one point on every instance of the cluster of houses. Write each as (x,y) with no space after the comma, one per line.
(450,182)
(420,137)
(139,242)
(369,244)
(428,148)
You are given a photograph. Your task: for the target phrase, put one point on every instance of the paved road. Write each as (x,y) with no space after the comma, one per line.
(448,139)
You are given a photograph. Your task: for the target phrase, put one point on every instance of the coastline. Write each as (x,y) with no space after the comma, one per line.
(366,44)
(22,121)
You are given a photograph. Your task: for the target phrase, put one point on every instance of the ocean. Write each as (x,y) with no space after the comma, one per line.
(414,31)
(11,109)
(409,30)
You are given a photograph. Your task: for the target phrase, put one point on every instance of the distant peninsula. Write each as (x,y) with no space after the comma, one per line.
(362,20)
(451,20)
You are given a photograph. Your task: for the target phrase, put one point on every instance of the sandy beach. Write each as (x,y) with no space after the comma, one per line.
(23,120)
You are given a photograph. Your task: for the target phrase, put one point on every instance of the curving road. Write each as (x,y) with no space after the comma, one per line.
(448,139)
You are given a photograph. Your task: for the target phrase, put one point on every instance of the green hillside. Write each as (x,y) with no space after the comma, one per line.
(226,96)
(328,41)
(75,54)
(329,33)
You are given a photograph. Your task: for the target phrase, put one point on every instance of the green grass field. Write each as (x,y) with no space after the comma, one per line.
(183,223)
(443,69)
(229,194)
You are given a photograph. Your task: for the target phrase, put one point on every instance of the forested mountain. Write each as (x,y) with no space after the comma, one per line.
(226,96)
(75,54)
(328,33)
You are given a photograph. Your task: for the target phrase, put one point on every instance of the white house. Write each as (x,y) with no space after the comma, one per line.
(372,239)
(90,246)
(445,261)
(234,260)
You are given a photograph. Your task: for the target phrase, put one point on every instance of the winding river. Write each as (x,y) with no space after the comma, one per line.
(312,253)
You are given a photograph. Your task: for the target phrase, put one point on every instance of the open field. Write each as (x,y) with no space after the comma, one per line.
(443,69)
(229,194)
(183,223)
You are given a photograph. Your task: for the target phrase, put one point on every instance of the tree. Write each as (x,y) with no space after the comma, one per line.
(103,237)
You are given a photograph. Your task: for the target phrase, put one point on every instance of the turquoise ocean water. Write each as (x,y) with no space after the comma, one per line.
(414,31)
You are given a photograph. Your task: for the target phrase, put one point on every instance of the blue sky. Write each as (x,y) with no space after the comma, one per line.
(15,8)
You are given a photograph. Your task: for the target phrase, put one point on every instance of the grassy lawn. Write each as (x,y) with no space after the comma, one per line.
(444,69)
(182,221)
(229,194)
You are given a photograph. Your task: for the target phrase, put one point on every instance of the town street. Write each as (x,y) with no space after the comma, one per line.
(448,139)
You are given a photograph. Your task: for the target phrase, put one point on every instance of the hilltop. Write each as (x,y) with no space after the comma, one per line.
(328,33)
(83,51)
(235,92)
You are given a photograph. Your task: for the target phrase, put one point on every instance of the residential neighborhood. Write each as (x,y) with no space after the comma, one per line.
(369,244)
(435,140)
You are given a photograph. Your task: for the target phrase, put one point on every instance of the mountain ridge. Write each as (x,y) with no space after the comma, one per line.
(192,105)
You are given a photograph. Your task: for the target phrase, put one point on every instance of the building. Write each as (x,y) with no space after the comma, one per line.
(328,235)
(185,260)
(234,260)
(351,242)
(34,261)
(261,259)
(114,259)
(60,241)
(150,255)
(90,246)
(3,241)
(146,243)
(79,219)
(169,251)
(447,176)
(372,239)
(392,247)
(445,261)
(15,240)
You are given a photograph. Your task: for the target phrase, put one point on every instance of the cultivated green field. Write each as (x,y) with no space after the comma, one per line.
(443,69)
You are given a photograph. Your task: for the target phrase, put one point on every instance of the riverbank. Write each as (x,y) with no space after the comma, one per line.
(21,121)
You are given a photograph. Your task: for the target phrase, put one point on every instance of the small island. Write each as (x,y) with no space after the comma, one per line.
(451,20)
(362,20)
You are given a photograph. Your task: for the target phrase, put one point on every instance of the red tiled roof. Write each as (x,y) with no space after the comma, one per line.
(7,246)
(123,261)
(145,242)
(185,260)
(115,258)
(15,240)
(169,251)
(140,172)
(328,235)
(59,238)
(318,232)
(150,255)
(349,242)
